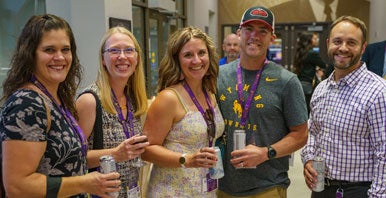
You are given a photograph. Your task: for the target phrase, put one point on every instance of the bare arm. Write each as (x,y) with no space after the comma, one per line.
(295,140)
(159,120)
(20,162)
(252,155)
(163,112)
(86,106)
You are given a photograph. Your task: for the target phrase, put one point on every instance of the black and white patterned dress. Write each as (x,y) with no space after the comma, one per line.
(24,118)
(113,135)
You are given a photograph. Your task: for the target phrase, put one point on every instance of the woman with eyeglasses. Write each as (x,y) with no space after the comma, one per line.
(110,109)
(184,120)
(43,149)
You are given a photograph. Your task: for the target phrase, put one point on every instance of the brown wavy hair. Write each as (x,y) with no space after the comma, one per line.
(170,69)
(303,46)
(23,62)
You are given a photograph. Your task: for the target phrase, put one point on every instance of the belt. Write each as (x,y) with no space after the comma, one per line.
(330,182)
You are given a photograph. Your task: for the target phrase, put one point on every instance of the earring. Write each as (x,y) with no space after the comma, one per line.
(182,76)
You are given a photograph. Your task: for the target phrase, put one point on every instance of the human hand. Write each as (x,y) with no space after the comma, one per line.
(310,175)
(130,148)
(205,157)
(101,184)
(249,157)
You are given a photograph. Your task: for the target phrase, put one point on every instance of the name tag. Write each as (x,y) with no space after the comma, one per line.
(133,191)
(209,184)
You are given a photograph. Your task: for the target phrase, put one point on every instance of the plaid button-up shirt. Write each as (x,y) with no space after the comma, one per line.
(347,127)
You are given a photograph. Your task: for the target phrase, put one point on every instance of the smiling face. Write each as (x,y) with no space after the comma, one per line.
(122,65)
(255,38)
(194,59)
(345,46)
(231,46)
(53,58)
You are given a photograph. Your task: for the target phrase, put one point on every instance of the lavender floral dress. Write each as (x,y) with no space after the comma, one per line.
(185,136)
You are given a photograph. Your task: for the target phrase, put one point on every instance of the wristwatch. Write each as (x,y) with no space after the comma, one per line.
(182,160)
(271,152)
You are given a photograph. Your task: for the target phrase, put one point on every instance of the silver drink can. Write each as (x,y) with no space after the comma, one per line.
(217,171)
(107,165)
(319,166)
(239,138)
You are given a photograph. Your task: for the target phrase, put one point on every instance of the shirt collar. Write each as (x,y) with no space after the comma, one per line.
(350,79)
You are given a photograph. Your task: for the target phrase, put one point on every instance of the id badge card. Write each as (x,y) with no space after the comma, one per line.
(209,184)
(133,191)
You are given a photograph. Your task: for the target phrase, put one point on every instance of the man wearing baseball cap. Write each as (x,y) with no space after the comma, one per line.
(266,102)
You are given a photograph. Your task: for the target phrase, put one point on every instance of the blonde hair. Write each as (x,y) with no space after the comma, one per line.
(136,83)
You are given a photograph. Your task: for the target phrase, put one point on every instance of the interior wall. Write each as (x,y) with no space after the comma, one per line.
(203,14)
(377,30)
(288,11)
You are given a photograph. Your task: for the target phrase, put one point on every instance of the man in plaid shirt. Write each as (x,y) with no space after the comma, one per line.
(347,124)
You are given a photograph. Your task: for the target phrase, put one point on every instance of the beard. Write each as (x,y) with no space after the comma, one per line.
(354,60)
(233,55)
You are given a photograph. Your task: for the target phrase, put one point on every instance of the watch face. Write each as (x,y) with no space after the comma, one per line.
(182,160)
(271,152)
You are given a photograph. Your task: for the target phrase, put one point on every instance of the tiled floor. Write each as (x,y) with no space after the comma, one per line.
(298,188)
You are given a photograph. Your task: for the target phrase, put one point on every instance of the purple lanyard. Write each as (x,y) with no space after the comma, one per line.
(65,113)
(130,116)
(255,84)
(195,101)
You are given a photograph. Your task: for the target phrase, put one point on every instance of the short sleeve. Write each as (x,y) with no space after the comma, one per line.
(295,108)
(24,117)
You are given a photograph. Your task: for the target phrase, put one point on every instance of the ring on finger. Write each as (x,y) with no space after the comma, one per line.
(242,164)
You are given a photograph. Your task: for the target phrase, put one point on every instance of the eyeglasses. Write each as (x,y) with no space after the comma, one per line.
(115,52)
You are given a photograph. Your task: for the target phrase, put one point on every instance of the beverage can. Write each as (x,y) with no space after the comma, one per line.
(239,139)
(319,166)
(217,171)
(107,165)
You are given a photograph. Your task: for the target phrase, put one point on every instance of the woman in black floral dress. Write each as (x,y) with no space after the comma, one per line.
(43,148)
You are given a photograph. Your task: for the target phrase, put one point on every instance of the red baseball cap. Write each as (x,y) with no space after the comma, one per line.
(260,14)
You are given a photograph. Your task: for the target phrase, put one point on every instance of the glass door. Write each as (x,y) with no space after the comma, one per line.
(160,28)
(14,16)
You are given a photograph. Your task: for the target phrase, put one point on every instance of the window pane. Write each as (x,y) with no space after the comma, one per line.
(139,26)
(14,15)
(180,7)
(154,55)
